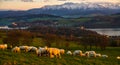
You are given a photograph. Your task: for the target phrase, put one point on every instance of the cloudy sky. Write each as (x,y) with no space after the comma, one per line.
(29,4)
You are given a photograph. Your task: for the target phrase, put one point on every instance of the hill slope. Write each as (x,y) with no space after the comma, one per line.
(9,58)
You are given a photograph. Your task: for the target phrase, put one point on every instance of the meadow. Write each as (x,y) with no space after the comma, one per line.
(10,58)
(7,57)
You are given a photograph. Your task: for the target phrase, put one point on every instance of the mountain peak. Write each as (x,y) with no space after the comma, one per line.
(84,5)
(78,9)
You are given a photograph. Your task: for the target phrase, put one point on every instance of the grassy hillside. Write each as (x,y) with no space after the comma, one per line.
(9,58)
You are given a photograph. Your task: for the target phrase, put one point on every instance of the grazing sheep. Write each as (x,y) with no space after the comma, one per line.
(87,54)
(32,49)
(118,57)
(62,51)
(3,46)
(69,53)
(54,51)
(104,56)
(77,52)
(41,51)
(98,55)
(92,54)
(25,48)
(29,48)
(16,49)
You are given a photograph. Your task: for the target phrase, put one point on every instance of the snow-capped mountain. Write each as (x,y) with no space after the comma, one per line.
(79,9)
(73,9)
(85,5)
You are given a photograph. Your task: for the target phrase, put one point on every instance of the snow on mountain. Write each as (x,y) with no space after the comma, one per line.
(72,9)
(85,5)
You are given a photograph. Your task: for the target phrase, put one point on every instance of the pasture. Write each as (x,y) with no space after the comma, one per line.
(28,58)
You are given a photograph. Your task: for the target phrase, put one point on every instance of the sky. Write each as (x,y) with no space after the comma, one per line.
(29,4)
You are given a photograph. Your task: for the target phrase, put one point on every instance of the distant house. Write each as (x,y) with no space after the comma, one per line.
(82,27)
(4,27)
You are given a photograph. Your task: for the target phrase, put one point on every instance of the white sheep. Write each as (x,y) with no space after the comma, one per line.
(3,46)
(32,49)
(98,55)
(41,51)
(87,54)
(92,54)
(69,53)
(25,48)
(77,52)
(104,56)
(118,57)
(16,49)
(29,48)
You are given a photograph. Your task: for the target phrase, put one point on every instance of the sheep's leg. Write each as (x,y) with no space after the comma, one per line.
(51,56)
(56,55)
(59,56)
(39,54)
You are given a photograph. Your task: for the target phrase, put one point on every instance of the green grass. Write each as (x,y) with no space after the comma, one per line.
(9,58)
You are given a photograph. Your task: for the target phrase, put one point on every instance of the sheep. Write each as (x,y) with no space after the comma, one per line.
(32,49)
(3,46)
(69,53)
(54,51)
(25,48)
(62,51)
(118,57)
(98,55)
(16,49)
(104,56)
(92,54)
(77,52)
(29,48)
(87,54)
(42,51)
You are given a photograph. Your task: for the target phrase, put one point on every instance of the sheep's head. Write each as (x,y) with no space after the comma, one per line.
(86,53)
(5,45)
(46,47)
(118,57)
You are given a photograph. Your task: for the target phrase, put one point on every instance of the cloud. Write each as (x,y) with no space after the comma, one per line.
(62,0)
(6,0)
(27,0)
(45,0)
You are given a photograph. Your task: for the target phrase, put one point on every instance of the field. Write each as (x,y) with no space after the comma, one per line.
(9,58)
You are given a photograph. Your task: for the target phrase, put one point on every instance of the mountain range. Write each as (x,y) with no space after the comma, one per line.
(69,10)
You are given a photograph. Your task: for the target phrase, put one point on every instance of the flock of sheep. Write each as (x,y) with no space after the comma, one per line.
(53,52)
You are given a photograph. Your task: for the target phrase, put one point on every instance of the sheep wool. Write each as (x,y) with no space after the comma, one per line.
(118,57)
(16,49)
(3,46)
(69,53)
(55,52)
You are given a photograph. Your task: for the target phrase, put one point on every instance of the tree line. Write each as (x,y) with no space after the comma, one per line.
(87,39)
